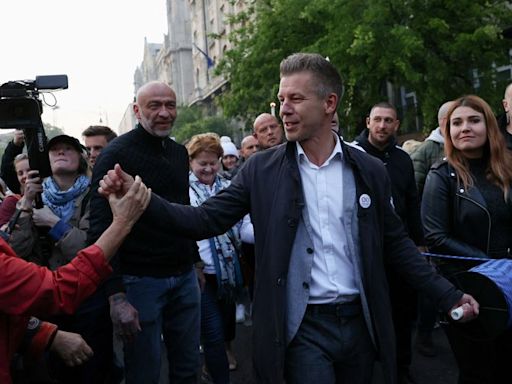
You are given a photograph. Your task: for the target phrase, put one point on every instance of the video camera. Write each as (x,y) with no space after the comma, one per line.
(21,108)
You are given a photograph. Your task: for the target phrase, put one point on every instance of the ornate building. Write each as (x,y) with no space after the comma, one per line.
(210,18)
(186,59)
(170,61)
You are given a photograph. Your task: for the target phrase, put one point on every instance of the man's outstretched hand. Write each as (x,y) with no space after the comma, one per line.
(115,181)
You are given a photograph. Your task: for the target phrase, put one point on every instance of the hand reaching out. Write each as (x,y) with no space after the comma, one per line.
(19,138)
(128,206)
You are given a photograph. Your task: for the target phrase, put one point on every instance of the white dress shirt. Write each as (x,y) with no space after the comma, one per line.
(332,273)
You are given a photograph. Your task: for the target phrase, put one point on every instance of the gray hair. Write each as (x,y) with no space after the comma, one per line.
(327,76)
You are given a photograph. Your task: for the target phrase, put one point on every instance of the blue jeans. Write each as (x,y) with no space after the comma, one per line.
(170,307)
(328,349)
(214,313)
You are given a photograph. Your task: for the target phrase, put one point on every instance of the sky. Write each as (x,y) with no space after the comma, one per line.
(98,43)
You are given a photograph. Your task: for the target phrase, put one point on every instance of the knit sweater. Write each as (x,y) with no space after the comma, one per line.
(150,249)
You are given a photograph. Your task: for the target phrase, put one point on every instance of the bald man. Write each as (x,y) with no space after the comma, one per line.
(505,120)
(248,146)
(155,290)
(267,130)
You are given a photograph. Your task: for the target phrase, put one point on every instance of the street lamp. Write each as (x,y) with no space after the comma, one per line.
(273,108)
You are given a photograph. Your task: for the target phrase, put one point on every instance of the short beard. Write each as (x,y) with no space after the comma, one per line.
(153,132)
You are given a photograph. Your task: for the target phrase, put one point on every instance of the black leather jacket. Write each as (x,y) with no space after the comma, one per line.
(456,221)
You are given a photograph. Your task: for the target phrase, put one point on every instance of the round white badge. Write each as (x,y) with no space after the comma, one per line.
(365,201)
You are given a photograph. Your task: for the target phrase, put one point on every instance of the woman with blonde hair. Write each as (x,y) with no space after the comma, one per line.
(467,211)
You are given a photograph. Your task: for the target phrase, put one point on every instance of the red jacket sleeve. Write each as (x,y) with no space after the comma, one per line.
(28,289)
(38,337)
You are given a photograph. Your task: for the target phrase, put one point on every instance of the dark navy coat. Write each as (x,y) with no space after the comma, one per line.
(268,187)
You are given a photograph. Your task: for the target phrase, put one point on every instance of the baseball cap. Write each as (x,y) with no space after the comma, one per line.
(68,140)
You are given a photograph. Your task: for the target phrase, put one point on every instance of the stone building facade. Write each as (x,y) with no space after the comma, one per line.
(187,57)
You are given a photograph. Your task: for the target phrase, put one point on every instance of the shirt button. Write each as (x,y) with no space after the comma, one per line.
(292,223)
(305,285)
(309,250)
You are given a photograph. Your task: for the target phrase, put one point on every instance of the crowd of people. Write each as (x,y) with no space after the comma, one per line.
(329,244)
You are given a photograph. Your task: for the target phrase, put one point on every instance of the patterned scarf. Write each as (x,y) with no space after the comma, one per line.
(62,203)
(224,247)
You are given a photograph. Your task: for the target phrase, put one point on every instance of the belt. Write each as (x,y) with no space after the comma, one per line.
(349,309)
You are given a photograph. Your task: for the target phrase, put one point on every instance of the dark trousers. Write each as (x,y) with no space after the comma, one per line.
(248,267)
(217,326)
(427,313)
(330,348)
(480,361)
(403,306)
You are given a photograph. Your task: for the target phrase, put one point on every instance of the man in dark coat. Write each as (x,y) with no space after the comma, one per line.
(324,228)
(379,140)
(154,279)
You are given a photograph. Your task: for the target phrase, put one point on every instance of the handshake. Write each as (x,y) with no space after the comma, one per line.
(128,197)
(117,182)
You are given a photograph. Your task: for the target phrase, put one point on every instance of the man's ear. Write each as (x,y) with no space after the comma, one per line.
(136,110)
(331,102)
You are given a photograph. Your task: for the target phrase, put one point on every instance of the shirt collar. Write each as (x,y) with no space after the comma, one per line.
(301,155)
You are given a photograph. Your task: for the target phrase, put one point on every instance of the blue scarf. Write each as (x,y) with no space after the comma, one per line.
(62,203)
(224,247)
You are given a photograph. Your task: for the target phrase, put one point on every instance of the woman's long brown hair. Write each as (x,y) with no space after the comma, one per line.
(499,159)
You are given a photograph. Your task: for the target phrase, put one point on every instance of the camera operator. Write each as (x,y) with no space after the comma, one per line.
(61,229)
(13,149)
